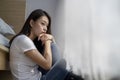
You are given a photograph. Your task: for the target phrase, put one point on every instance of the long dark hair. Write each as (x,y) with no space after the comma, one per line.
(35,15)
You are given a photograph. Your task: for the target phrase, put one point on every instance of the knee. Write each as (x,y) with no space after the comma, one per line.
(62,63)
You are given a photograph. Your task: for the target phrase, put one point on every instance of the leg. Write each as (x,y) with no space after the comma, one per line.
(57,72)
(56,56)
(55,53)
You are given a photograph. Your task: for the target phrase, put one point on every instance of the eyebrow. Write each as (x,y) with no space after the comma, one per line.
(45,22)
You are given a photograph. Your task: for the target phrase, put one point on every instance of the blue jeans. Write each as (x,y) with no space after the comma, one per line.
(58,70)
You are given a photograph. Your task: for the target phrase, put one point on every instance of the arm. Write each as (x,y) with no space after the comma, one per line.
(44,61)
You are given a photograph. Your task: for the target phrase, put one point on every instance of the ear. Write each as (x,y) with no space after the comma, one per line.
(31,23)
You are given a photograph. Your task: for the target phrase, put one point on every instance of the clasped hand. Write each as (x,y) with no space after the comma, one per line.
(45,37)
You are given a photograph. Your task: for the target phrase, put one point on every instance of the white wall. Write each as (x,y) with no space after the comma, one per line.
(47,5)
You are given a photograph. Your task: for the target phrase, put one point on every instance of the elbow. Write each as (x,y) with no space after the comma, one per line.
(48,66)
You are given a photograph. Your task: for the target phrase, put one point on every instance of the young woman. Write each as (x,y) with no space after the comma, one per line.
(26,57)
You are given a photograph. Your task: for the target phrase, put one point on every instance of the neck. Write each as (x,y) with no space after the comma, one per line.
(31,36)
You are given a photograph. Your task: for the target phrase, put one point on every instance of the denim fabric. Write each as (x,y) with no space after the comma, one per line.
(56,55)
(57,72)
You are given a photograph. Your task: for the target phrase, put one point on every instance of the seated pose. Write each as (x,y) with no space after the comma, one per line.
(29,61)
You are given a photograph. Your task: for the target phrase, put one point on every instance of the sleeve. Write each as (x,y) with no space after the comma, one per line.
(25,44)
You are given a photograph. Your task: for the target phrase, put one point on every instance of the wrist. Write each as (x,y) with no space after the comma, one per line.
(48,40)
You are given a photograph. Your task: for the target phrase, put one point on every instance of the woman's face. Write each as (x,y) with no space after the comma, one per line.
(39,26)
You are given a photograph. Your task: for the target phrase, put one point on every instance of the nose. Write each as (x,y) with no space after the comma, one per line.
(45,29)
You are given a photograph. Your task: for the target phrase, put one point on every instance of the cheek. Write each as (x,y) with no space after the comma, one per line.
(38,30)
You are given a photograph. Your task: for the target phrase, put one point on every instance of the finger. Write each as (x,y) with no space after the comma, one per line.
(40,36)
